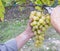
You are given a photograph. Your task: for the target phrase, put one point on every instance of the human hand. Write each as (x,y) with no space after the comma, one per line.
(29,29)
(24,36)
(55,18)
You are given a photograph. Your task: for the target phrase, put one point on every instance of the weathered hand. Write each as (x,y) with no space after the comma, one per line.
(29,29)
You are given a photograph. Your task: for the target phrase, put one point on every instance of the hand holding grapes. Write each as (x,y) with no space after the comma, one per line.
(29,29)
(39,25)
(55,18)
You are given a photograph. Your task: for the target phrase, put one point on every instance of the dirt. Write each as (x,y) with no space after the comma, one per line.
(15,13)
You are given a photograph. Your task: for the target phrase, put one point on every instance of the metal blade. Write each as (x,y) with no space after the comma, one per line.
(49,9)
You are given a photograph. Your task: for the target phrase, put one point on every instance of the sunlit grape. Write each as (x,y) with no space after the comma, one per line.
(41,21)
(38,31)
(33,12)
(38,14)
(41,38)
(44,29)
(35,33)
(35,27)
(36,18)
(34,23)
(36,37)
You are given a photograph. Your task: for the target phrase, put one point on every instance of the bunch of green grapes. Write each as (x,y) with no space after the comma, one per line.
(40,24)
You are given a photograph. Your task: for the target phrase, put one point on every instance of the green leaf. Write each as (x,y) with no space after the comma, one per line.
(21,1)
(8,2)
(2,11)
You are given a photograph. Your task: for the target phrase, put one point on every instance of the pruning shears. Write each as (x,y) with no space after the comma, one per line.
(48,8)
(45,7)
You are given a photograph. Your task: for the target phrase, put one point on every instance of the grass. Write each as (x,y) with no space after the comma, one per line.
(10,29)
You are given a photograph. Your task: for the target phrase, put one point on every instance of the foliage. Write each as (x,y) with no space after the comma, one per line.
(12,2)
(40,3)
(20,1)
(45,2)
(5,3)
(2,11)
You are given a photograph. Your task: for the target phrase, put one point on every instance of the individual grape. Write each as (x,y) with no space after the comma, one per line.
(35,18)
(36,37)
(43,18)
(31,16)
(34,23)
(38,14)
(41,38)
(46,26)
(38,31)
(33,12)
(41,21)
(37,42)
(47,21)
(36,45)
(38,24)
(40,27)
(35,27)
(43,29)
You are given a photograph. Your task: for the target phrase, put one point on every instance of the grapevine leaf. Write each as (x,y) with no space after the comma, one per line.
(21,1)
(2,11)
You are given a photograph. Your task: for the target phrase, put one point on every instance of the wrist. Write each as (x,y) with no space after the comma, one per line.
(22,39)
